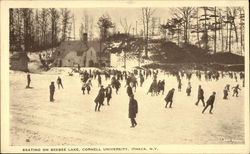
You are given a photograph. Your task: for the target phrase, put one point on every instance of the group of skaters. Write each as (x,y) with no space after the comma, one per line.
(156,87)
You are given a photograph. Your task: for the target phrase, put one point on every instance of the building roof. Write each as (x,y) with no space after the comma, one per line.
(77,46)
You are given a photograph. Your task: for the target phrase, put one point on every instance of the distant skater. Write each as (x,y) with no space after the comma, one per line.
(225,91)
(59,82)
(108,93)
(210,102)
(99,99)
(133,110)
(169,98)
(188,90)
(129,90)
(52,91)
(200,96)
(28,81)
(235,90)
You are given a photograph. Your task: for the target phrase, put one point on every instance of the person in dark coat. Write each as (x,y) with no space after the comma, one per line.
(169,98)
(200,96)
(99,99)
(108,91)
(99,80)
(133,110)
(28,81)
(225,91)
(117,86)
(188,90)
(59,82)
(52,91)
(210,102)
(179,84)
(235,90)
(129,90)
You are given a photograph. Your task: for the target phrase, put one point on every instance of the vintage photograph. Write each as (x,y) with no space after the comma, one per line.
(109,76)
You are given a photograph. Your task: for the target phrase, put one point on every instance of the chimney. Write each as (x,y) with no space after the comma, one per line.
(85,38)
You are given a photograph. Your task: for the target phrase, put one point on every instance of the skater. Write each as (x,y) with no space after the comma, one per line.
(117,86)
(225,91)
(99,80)
(108,93)
(83,88)
(210,102)
(235,90)
(89,85)
(179,84)
(52,91)
(200,96)
(59,82)
(188,90)
(28,81)
(129,90)
(141,80)
(99,99)
(169,98)
(133,110)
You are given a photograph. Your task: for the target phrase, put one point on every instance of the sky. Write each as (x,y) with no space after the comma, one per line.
(131,14)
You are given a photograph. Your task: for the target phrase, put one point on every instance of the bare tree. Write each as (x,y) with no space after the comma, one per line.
(147,14)
(126,27)
(65,13)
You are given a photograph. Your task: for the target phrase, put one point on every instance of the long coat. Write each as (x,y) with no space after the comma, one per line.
(200,94)
(211,99)
(169,96)
(100,97)
(133,108)
(108,92)
(129,91)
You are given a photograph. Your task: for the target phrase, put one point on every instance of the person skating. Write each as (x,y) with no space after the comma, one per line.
(28,81)
(169,98)
(52,91)
(99,80)
(188,90)
(108,93)
(225,91)
(210,102)
(129,90)
(117,86)
(133,110)
(99,99)
(59,82)
(200,96)
(235,90)
(83,88)
(179,84)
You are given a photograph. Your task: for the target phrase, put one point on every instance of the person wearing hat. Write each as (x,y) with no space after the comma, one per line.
(99,99)
(133,110)
(169,98)
(108,91)
(52,91)
(200,96)
(210,102)
(129,90)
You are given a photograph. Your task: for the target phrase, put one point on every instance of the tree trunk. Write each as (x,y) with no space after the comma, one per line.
(215,28)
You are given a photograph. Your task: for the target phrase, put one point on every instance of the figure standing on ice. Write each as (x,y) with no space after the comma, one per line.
(235,90)
(179,84)
(129,90)
(169,98)
(225,91)
(210,102)
(188,90)
(99,99)
(28,81)
(59,82)
(52,91)
(133,110)
(99,80)
(108,93)
(200,96)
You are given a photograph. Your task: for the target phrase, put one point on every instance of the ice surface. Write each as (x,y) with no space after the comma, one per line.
(71,119)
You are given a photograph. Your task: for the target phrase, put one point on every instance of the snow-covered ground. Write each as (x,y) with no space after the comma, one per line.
(71,119)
